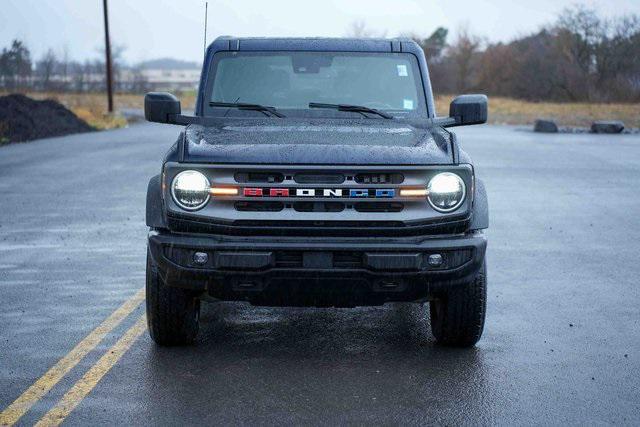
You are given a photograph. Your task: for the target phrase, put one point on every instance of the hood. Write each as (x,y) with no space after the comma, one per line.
(317,141)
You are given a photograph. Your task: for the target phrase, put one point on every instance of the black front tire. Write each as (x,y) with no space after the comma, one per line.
(172,313)
(457,317)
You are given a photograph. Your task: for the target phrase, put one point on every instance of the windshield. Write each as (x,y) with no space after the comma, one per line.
(289,81)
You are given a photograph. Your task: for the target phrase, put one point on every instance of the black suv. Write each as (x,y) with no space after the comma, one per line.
(316,173)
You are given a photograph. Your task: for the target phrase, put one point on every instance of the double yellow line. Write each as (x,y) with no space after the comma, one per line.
(84,385)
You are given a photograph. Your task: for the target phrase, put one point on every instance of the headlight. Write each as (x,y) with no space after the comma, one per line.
(446,192)
(190,190)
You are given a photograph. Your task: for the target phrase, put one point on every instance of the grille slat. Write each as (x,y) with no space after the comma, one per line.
(379,178)
(379,207)
(311,178)
(289,259)
(259,206)
(263,177)
(341,260)
(347,260)
(318,206)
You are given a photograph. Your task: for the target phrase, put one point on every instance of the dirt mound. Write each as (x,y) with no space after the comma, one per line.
(24,119)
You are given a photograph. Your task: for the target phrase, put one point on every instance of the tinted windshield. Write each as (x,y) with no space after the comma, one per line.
(289,81)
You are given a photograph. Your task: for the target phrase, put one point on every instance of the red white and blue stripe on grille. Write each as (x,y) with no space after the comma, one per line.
(375,193)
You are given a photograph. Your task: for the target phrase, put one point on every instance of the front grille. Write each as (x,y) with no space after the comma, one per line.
(296,200)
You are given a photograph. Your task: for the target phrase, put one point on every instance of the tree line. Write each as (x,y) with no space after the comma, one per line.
(57,73)
(579,57)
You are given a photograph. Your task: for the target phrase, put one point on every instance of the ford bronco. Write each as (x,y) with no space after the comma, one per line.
(315,172)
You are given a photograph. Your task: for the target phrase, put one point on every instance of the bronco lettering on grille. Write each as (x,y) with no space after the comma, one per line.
(375,193)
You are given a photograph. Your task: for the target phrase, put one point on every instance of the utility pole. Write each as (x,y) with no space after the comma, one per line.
(107,51)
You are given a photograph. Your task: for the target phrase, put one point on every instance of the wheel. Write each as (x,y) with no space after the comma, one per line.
(457,317)
(172,313)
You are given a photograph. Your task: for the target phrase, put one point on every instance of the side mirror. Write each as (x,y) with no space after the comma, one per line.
(469,110)
(161,107)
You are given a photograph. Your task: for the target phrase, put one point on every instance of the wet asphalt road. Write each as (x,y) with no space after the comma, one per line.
(561,343)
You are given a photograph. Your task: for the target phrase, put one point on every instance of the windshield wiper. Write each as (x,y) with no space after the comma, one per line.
(351,108)
(264,109)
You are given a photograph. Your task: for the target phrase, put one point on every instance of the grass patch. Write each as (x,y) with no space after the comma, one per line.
(517,112)
(92,108)
(100,120)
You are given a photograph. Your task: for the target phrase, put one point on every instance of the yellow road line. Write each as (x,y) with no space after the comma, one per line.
(46,382)
(83,387)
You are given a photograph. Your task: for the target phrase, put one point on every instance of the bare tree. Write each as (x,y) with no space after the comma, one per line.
(581,31)
(117,64)
(434,45)
(139,82)
(64,68)
(78,81)
(15,66)
(358,29)
(463,53)
(45,68)
(618,58)
(599,56)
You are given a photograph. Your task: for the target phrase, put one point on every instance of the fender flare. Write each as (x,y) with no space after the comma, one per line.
(480,212)
(155,212)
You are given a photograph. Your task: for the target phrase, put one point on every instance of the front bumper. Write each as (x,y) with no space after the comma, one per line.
(316,271)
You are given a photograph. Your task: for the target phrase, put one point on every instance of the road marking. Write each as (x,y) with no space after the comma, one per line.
(89,380)
(46,382)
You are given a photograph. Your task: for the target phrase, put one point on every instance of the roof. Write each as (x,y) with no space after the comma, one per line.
(313,44)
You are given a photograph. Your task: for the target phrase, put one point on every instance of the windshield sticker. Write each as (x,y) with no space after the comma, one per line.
(402,71)
(408,104)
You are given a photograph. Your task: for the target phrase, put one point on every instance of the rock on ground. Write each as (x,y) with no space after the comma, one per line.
(607,126)
(545,126)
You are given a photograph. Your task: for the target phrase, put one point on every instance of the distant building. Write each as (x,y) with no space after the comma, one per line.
(167,75)
(166,80)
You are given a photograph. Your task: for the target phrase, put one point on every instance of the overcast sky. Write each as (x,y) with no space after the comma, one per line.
(172,28)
